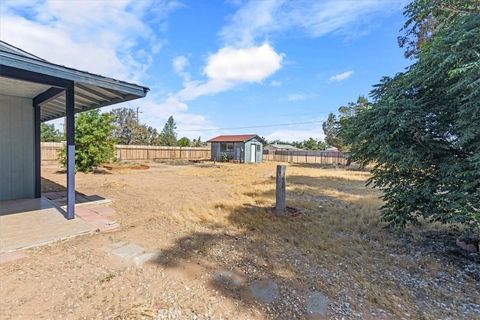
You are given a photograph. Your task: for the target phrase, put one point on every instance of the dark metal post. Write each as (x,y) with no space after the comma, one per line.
(280,192)
(70,121)
(38,175)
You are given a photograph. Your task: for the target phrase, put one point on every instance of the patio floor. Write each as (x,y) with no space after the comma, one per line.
(28,223)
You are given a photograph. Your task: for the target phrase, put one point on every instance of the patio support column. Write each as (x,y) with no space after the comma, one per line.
(70,121)
(37,157)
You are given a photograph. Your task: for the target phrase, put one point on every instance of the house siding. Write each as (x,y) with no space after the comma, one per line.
(17,170)
(258,155)
(241,151)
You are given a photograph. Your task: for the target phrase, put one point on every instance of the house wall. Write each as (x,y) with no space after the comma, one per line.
(236,154)
(17,171)
(259,154)
(216,154)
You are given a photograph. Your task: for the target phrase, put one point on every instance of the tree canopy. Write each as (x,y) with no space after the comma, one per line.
(184,142)
(129,130)
(168,136)
(422,130)
(48,133)
(94,143)
(333,126)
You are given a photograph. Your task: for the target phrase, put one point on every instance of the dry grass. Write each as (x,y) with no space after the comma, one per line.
(215,217)
(339,230)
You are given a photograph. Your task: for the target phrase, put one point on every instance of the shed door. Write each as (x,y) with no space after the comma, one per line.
(253,152)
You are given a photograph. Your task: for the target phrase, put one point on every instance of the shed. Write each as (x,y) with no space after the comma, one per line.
(245,148)
(33,90)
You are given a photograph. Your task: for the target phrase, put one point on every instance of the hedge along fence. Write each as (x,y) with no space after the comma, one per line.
(307,156)
(50,151)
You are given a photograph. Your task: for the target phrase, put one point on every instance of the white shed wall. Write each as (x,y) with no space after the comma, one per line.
(17,149)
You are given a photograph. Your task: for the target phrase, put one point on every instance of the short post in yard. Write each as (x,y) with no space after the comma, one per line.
(280,207)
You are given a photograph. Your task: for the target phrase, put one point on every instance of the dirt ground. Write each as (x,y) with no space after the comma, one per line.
(208,219)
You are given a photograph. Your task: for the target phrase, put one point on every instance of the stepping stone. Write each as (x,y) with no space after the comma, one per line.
(144,258)
(128,251)
(264,290)
(317,305)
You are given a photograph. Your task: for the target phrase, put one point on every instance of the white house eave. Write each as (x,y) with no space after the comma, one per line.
(44,67)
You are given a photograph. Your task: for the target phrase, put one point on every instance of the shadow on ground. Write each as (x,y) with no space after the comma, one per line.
(57,193)
(343,252)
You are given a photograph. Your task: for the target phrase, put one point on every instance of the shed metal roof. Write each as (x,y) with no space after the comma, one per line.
(91,90)
(233,138)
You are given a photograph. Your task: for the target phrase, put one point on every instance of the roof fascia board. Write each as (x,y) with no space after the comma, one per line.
(50,69)
(28,75)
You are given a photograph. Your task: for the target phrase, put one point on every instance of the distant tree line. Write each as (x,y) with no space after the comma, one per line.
(128,130)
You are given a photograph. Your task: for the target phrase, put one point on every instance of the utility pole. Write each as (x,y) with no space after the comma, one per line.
(138,120)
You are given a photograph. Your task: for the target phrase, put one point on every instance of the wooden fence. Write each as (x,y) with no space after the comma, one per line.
(133,152)
(50,152)
(306,156)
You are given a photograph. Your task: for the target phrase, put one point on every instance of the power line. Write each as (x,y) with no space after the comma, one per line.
(253,127)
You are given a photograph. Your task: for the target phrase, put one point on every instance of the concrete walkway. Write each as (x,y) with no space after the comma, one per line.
(28,223)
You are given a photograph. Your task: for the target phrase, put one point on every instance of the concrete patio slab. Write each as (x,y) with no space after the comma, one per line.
(28,223)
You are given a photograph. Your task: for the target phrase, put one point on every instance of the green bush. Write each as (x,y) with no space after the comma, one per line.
(224,157)
(94,143)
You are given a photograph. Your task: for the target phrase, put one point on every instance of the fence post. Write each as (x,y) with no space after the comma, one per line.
(280,206)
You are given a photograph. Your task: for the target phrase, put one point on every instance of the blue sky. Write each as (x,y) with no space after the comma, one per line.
(221,64)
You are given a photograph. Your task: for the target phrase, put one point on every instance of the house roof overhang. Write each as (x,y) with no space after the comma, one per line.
(91,90)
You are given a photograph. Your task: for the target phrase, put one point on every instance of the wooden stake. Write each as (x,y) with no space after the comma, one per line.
(280,207)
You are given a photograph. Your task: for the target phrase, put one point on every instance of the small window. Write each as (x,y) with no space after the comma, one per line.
(258,148)
(224,147)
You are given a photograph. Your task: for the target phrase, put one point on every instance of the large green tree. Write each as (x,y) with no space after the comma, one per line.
(335,125)
(422,131)
(48,133)
(168,136)
(128,129)
(184,142)
(94,143)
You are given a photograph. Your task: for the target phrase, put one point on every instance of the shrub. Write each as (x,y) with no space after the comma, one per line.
(93,139)
(224,157)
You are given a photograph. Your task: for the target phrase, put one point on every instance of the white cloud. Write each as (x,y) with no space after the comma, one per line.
(105,37)
(225,69)
(256,20)
(230,67)
(111,38)
(251,64)
(341,76)
(155,113)
(179,63)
